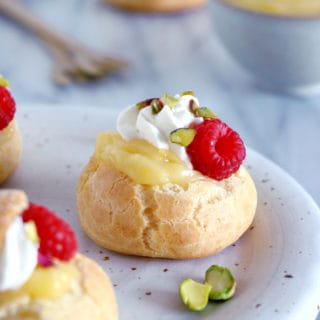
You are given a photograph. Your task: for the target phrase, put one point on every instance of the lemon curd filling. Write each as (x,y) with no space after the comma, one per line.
(141,161)
(51,282)
(7,132)
(47,282)
(280,7)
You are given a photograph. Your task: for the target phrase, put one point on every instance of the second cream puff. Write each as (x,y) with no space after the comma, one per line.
(41,275)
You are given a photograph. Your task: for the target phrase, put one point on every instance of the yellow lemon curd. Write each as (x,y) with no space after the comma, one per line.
(47,282)
(280,7)
(141,161)
(51,282)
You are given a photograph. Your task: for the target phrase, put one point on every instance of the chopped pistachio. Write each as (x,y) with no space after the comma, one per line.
(31,232)
(222,282)
(206,113)
(145,103)
(194,295)
(182,136)
(156,106)
(193,106)
(170,101)
(187,93)
(4,82)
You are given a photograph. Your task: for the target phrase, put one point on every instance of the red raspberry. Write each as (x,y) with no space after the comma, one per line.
(216,150)
(57,239)
(7,107)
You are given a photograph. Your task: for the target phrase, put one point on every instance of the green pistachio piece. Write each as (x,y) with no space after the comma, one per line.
(4,82)
(156,106)
(222,282)
(182,136)
(193,107)
(145,103)
(170,101)
(206,113)
(31,232)
(187,93)
(194,295)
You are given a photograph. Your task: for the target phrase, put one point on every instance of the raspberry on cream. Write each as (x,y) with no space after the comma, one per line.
(155,128)
(18,258)
(57,239)
(220,158)
(8,107)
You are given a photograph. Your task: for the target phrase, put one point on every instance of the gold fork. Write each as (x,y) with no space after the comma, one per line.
(72,61)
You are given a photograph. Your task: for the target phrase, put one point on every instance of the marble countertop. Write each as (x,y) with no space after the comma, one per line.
(171,54)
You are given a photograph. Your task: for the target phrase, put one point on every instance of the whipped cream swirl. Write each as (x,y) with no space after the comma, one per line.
(155,128)
(18,258)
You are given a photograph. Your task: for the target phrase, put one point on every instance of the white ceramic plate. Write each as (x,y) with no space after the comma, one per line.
(276,263)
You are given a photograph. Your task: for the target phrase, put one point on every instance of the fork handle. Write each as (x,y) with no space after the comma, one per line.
(17,12)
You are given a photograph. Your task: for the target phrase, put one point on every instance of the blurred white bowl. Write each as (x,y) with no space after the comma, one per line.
(281,52)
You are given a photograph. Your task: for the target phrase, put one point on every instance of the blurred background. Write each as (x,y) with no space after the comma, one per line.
(177,51)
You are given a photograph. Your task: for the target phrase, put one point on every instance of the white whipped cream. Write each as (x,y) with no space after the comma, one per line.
(155,128)
(18,258)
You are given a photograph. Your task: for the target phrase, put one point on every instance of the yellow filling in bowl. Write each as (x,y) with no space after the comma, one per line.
(280,7)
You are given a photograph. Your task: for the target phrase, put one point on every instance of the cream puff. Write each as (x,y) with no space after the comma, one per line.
(10,138)
(169,184)
(156,5)
(41,274)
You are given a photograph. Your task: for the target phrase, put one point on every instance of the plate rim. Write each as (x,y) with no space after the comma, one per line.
(87,110)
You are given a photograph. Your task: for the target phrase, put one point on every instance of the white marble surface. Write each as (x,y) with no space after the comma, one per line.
(167,54)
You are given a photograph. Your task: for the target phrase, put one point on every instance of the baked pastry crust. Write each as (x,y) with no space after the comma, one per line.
(10,154)
(92,298)
(156,5)
(164,221)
